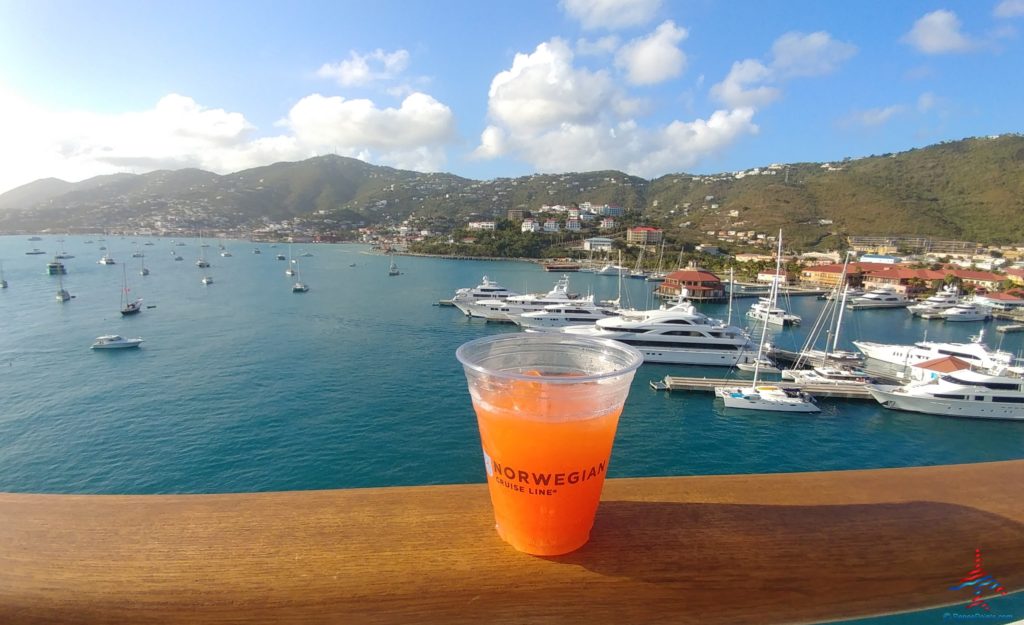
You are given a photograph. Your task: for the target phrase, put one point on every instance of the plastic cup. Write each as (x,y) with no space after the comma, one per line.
(547,406)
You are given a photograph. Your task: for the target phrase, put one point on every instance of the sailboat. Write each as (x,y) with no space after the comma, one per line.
(639,272)
(659,275)
(766,397)
(393,268)
(299,286)
(290,271)
(127,307)
(142,267)
(202,262)
(62,294)
(3,282)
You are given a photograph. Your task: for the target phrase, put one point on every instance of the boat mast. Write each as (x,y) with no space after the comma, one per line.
(772,293)
(728,320)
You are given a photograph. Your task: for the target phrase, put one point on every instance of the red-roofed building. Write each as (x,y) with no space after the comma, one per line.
(643,235)
(906,280)
(978,279)
(1015,275)
(701,284)
(931,369)
(828,275)
(1000,301)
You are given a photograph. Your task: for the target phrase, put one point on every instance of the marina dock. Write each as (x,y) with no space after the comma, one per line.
(831,391)
(1011,327)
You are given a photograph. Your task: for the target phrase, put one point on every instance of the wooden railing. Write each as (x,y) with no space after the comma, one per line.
(781,548)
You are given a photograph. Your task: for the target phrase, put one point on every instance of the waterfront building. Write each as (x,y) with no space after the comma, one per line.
(598,244)
(700,283)
(904,280)
(829,275)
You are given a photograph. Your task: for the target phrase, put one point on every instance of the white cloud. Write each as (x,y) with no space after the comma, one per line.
(598,47)
(926,101)
(1009,8)
(179,132)
(739,90)
(611,14)
(816,54)
(361,69)
(559,117)
(794,55)
(938,32)
(871,118)
(544,88)
(654,58)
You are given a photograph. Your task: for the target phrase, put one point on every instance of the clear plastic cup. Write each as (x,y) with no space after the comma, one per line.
(547,406)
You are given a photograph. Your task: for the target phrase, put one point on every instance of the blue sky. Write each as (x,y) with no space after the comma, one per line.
(488,89)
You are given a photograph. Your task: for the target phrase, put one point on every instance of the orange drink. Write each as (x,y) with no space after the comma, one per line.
(547,406)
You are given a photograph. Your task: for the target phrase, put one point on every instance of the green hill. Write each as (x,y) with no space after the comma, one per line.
(971,189)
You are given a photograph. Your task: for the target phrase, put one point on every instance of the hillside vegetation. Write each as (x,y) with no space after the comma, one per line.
(971,189)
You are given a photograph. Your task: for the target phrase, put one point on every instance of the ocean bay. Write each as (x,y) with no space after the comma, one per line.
(244,386)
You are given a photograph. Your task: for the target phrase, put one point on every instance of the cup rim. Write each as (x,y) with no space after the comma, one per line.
(636,358)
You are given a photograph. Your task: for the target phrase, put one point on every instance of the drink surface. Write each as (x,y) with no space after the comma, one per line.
(545,468)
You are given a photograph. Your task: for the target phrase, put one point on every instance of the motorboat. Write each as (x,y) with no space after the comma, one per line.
(765,312)
(879,298)
(113,341)
(762,365)
(207,280)
(487,289)
(676,334)
(963,393)
(966,311)
(612,270)
(582,312)
(281,257)
(508,308)
(257,251)
(225,254)
(976,352)
(943,300)
(830,375)
(35,252)
(306,255)
(767,397)
(55,267)
(105,260)
(62,293)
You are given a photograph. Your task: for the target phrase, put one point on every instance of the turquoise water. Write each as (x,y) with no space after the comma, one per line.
(244,386)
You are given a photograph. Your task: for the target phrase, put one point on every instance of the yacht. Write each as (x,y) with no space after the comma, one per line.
(488,289)
(879,298)
(964,393)
(765,312)
(105,260)
(506,309)
(207,280)
(113,341)
(976,353)
(678,334)
(256,251)
(55,267)
(35,252)
(828,375)
(582,312)
(612,270)
(966,311)
(943,300)
(225,254)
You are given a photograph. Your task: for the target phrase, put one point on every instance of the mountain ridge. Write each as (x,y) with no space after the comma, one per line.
(969,189)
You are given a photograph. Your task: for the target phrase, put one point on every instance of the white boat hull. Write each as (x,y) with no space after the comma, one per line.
(761,398)
(891,397)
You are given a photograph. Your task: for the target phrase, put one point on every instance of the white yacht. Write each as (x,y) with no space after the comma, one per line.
(966,311)
(879,298)
(113,341)
(764,311)
(506,309)
(488,289)
(830,375)
(105,260)
(582,312)
(964,393)
(943,300)
(675,335)
(612,270)
(976,353)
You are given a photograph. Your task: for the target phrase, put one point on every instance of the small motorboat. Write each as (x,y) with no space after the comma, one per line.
(113,341)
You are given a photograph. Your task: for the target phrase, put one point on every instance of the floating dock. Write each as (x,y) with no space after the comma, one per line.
(1011,327)
(832,391)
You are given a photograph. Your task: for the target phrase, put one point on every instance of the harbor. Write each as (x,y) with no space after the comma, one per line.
(708,385)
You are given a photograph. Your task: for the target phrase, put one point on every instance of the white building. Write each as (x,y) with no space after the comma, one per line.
(607,223)
(551,225)
(481,225)
(530,225)
(598,244)
(573,224)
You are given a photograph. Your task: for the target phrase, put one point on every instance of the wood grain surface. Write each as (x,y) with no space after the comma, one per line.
(781,548)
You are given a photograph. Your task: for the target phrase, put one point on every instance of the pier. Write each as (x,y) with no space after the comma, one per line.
(831,391)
